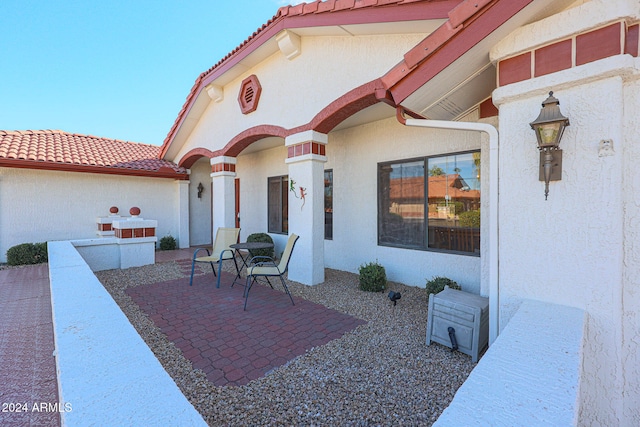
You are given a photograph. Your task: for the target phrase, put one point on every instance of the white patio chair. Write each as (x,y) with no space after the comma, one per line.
(220,252)
(264,266)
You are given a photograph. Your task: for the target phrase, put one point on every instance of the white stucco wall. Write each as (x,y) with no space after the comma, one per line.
(568,249)
(578,248)
(337,64)
(253,170)
(354,154)
(631,258)
(37,206)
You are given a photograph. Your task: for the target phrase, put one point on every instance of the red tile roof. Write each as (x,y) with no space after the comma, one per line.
(411,189)
(58,150)
(316,13)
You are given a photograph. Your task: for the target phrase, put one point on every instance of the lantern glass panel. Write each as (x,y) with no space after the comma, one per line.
(548,134)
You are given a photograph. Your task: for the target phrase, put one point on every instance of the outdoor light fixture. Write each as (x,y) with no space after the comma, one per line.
(200,189)
(549,127)
(394,296)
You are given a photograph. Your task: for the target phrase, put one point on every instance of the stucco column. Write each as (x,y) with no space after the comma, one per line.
(183,214)
(223,174)
(306,158)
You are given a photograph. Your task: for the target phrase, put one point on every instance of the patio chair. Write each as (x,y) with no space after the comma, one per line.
(220,252)
(264,266)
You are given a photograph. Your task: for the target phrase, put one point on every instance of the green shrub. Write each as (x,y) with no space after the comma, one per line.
(263,238)
(168,243)
(372,277)
(470,219)
(27,253)
(438,283)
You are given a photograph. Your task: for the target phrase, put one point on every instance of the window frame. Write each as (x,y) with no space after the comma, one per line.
(328,204)
(425,246)
(283,204)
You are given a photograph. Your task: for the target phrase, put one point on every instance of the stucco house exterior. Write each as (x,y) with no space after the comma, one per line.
(54,186)
(315,125)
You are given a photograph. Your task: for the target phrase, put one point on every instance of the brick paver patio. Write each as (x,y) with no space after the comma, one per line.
(232,346)
(28,385)
(209,325)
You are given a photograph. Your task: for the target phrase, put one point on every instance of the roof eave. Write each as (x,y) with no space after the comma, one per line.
(468,24)
(163,172)
(289,17)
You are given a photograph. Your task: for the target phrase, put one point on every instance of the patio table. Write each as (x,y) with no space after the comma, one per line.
(248,246)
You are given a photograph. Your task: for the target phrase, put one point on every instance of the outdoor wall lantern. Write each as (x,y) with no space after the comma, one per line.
(200,189)
(549,127)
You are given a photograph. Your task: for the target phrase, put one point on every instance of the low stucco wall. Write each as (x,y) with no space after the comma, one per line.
(105,369)
(526,378)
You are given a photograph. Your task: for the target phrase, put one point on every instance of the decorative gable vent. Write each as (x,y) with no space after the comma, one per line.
(249,96)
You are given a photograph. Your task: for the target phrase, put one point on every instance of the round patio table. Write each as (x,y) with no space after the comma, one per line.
(249,246)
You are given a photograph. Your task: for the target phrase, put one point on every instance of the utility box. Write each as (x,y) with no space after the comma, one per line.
(466,313)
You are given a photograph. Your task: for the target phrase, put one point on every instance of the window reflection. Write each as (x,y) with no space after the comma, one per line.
(449,192)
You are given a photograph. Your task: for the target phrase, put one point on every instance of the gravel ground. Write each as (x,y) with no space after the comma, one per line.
(380,374)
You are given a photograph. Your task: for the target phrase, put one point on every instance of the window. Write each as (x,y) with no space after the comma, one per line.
(278,210)
(401,199)
(431,203)
(328,204)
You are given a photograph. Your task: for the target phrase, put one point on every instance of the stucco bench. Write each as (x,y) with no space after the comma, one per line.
(529,376)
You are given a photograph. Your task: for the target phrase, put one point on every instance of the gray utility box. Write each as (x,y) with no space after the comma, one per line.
(467,313)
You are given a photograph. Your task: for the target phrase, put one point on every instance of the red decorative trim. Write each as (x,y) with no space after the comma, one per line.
(631,45)
(487,109)
(104,227)
(598,44)
(430,45)
(466,10)
(223,167)
(344,107)
(305,148)
(553,58)
(589,46)
(124,233)
(193,156)
(130,233)
(514,69)
(249,95)
(248,137)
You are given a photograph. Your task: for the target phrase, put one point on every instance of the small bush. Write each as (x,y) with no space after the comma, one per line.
(27,253)
(438,283)
(470,219)
(264,238)
(372,277)
(168,243)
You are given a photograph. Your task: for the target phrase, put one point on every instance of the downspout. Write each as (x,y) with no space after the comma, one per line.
(494,281)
